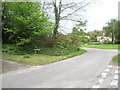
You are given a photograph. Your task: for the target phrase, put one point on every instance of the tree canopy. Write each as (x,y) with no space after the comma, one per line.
(112,30)
(23,22)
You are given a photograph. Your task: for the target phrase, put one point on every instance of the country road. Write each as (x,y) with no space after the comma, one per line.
(76,72)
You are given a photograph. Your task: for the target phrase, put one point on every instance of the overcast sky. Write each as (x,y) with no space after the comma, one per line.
(101,12)
(97,14)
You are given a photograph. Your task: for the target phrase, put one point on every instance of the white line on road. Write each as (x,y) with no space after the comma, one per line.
(116,77)
(114,83)
(116,71)
(96,86)
(104,74)
(106,70)
(100,81)
(117,67)
(109,66)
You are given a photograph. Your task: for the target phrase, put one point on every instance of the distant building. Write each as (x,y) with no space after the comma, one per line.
(101,37)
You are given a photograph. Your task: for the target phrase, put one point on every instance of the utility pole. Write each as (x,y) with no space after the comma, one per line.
(113,36)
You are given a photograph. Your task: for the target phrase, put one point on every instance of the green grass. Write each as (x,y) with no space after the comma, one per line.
(39,59)
(116,58)
(103,46)
(52,51)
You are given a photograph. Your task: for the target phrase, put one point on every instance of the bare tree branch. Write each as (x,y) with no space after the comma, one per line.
(72,19)
(76,10)
(60,6)
(59,9)
(70,6)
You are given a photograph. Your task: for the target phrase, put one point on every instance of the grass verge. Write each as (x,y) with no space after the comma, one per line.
(103,46)
(39,59)
(116,58)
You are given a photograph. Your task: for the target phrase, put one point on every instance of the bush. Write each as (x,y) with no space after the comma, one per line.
(26,56)
(107,42)
(94,43)
(53,51)
(13,49)
(57,51)
(61,41)
(64,44)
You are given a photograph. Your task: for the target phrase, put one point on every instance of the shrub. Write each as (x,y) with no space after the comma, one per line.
(94,43)
(13,49)
(26,56)
(107,42)
(57,51)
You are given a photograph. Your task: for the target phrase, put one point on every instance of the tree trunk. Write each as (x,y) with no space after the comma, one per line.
(55,31)
(57,12)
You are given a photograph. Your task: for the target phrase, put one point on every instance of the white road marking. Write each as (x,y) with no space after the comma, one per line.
(103,74)
(116,71)
(100,81)
(117,67)
(109,66)
(107,70)
(96,86)
(114,83)
(116,77)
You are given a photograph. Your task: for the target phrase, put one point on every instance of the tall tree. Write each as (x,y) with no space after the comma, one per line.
(57,12)
(112,30)
(23,22)
(65,11)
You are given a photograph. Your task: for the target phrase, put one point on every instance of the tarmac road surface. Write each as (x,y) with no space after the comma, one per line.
(76,72)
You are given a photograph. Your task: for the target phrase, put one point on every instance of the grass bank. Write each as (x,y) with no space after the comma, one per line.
(40,59)
(116,58)
(103,46)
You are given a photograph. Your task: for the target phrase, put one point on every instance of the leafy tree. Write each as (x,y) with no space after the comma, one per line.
(23,22)
(112,30)
(93,35)
(78,35)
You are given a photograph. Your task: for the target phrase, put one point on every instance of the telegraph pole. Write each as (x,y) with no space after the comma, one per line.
(113,36)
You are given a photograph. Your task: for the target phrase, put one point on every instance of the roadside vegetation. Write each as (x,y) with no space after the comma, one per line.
(103,46)
(116,58)
(41,59)
(26,26)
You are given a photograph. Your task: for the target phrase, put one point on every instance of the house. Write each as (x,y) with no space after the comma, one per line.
(88,36)
(101,37)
